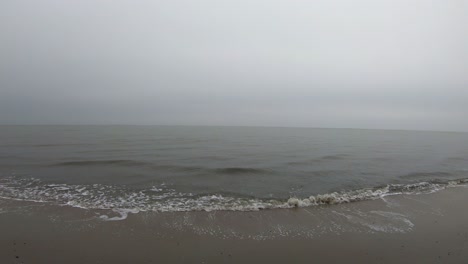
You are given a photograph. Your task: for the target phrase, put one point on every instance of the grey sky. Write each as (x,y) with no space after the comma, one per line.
(397,64)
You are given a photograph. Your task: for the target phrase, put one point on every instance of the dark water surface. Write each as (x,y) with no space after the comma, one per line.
(166,168)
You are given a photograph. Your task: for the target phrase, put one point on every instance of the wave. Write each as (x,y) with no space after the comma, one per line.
(457,159)
(61,145)
(320,159)
(374,193)
(239,170)
(123,201)
(131,163)
(101,162)
(334,157)
(425,174)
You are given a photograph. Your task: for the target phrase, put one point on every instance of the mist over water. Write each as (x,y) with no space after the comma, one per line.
(344,64)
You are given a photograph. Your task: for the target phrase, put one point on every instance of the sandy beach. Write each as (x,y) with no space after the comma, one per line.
(425,228)
(233,132)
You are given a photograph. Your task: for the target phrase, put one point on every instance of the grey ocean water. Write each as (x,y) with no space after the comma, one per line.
(164,168)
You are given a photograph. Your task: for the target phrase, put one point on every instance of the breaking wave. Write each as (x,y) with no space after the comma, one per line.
(164,199)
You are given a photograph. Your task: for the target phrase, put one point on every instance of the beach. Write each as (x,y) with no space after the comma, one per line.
(423,228)
(233,132)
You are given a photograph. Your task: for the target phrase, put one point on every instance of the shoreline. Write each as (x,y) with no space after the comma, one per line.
(424,228)
(160,199)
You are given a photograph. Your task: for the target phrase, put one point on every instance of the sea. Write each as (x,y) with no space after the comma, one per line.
(131,169)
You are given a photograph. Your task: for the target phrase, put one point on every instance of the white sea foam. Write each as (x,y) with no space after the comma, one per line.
(379,221)
(163,199)
(123,214)
(396,217)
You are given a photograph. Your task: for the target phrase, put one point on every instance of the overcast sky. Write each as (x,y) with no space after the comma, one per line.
(396,64)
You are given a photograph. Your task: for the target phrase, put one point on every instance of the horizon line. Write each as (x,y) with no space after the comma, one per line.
(245,126)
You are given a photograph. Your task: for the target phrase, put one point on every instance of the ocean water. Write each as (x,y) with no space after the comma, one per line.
(164,168)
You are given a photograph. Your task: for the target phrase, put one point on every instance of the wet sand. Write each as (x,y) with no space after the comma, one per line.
(426,228)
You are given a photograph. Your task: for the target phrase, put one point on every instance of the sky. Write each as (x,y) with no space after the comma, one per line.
(381,64)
